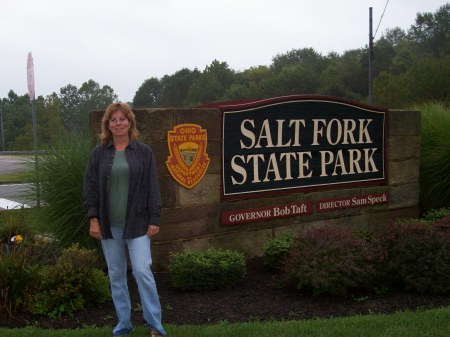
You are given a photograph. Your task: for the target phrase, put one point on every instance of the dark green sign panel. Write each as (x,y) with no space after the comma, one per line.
(287,144)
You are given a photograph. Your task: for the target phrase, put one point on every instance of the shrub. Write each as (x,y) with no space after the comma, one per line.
(60,173)
(417,257)
(210,269)
(435,157)
(428,218)
(41,248)
(15,275)
(13,223)
(443,224)
(69,285)
(436,214)
(276,249)
(331,261)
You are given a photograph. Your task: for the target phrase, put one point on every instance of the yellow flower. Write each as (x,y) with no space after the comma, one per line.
(17,238)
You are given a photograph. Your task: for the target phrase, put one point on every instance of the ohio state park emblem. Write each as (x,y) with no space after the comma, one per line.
(188,160)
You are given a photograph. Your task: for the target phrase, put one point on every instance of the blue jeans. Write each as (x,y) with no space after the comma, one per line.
(141,261)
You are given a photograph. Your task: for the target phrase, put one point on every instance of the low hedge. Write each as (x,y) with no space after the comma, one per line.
(209,269)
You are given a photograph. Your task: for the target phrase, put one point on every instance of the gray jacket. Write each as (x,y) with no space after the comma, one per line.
(144,198)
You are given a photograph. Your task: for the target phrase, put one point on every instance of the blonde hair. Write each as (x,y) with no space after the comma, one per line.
(106,135)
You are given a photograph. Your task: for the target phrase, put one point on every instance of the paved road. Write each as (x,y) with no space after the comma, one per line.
(16,193)
(13,193)
(11,163)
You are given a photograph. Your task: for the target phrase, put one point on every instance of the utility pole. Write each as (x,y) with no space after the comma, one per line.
(370,56)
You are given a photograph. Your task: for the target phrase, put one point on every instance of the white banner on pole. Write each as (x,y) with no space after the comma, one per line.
(30,76)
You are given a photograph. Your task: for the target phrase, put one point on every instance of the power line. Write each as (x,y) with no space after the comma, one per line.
(382,15)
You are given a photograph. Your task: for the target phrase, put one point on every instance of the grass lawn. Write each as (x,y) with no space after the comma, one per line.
(15,178)
(426,323)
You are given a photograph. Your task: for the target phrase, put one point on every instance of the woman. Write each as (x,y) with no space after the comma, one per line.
(123,203)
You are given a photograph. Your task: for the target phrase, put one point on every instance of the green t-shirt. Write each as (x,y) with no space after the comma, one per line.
(118,190)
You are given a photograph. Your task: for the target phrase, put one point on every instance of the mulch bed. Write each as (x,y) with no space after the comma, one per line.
(255,299)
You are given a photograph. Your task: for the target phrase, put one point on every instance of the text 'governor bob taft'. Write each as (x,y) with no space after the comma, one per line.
(290,143)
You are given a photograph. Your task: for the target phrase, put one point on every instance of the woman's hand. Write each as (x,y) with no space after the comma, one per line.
(94,230)
(152,230)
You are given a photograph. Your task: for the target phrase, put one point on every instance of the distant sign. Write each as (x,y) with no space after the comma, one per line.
(286,144)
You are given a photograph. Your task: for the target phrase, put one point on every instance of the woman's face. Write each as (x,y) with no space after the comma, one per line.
(118,124)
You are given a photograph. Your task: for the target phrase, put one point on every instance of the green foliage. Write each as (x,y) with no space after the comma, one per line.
(18,123)
(443,225)
(16,273)
(148,94)
(435,157)
(430,31)
(13,222)
(430,218)
(436,214)
(60,172)
(210,269)
(211,85)
(331,261)
(410,255)
(175,87)
(276,249)
(76,104)
(69,285)
(417,257)
(41,248)
(48,124)
(16,115)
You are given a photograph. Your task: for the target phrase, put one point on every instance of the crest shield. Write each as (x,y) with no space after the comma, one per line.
(188,160)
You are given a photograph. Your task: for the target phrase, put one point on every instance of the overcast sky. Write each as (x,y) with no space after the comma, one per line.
(121,43)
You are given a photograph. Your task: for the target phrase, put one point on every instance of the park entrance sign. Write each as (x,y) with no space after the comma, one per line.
(234,175)
(296,143)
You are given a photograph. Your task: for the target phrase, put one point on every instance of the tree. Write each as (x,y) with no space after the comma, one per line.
(148,94)
(352,69)
(394,36)
(76,104)
(384,52)
(70,103)
(391,90)
(48,124)
(16,115)
(432,31)
(306,56)
(211,85)
(406,54)
(335,79)
(18,121)
(296,79)
(252,83)
(175,87)
(428,80)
